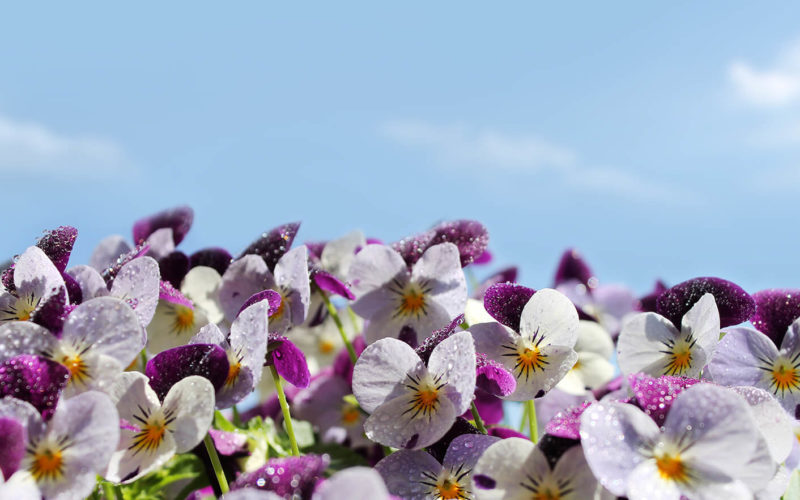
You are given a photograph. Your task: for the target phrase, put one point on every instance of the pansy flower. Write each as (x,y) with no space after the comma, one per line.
(64,456)
(396,301)
(415,474)
(246,348)
(250,274)
(517,468)
(151,432)
(470,237)
(323,404)
(175,320)
(413,405)
(705,445)
(542,353)
(99,339)
(593,368)
(335,256)
(36,280)
(201,285)
(651,343)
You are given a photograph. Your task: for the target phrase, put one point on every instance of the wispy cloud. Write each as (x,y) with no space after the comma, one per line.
(32,148)
(487,150)
(774,86)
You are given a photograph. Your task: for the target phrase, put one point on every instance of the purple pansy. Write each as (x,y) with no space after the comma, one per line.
(392,298)
(776,310)
(413,405)
(173,365)
(288,477)
(33,379)
(542,352)
(273,244)
(36,280)
(177,220)
(415,474)
(337,420)
(246,348)
(250,274)
(505,302)
(470,237)
(288,360)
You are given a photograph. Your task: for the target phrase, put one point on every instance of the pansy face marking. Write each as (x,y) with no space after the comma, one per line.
(412,298)
(22,309)
(153,427)
(234,365)
(783,374)
(450,484)
(529,358)
(72,353)
(183,318)
(679,355)
(547,487)
(671,467)
(46,458)
(425,394)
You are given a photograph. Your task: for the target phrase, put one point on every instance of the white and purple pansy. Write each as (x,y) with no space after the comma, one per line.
(169,367)
(469,236)
(542,353)
(151,432)
(36,280)
(99,339)
(416,475)
(703,449)
(246,348)
(516,468)
(652,344)
(405,304)
(175,321)
(63,456)
(412,405)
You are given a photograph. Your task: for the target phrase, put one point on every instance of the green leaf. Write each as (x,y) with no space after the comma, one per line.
(222,423)
(303,433)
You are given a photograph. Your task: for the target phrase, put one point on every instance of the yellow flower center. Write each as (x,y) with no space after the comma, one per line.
(424,396)
(547,494)
(184,318)
(326,346)
(679,356)
(78,370)
(233,373)
(413,303)
(449,489)
(784,376)
(47,465)
(149,437)
(671,467)
(350,414)
(529,359)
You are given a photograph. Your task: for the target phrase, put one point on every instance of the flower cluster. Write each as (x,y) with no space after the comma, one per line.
(352,369)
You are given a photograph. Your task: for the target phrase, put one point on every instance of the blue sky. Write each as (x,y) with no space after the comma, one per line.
(663,140)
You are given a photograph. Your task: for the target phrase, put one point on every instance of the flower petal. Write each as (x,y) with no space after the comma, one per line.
(395,423)
(179,219)
(739,355)
(454,361)
(191,402)
(371,273)
(466,449)
(406,471)
(550,314)
(290,362)
(171,366)
(137,283)
(34,379)
(381,370)
(505,302)
(109,325)
(215,257)
(353,483)
(439,270)
(572,267)
(244,277)
(734,304)
(776,310)
(272,245)
(57,245)
(641,341)
(107,251)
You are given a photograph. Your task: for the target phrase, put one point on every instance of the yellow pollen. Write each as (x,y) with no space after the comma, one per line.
(233,373)
(671,467)
(149,438)
(47,465)
(679,362)
(449,489)
(24,315)
(326,346)
(184,318)
(785,377)
(350,415)
(530,359)
(78,371)
(547,495)
(424,402)
(413,302)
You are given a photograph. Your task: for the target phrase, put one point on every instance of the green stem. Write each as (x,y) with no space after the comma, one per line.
(212,454)
(144,359)
(237,418)
(108,491)
(478,419)
(339,325)
(287,417)
(524,418)
(532,424)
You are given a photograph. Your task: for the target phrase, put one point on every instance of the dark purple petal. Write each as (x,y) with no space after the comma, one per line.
(648,302)
(342,365)
(734,304)
(215,257)
(179,219)
(331,284)
(493,377)
(228,443)
(572,267)
(172,295)
(411,248)
(289,361)
(429,344)
(409,336)
(34,379)
(13,439)
(315,249)
(490,408)
(553,447)
(173,268)
(776,310)
(461,426)
(290,477)
(470,236)
(73,289)
(612,385)
(138,251)
(273,244)
(52,313)
(169,367)
(272,297)
(505,433)
(483,258)
(505,301)
(567,423)
(507,275)
(57,244)
(655,395)
(7,276)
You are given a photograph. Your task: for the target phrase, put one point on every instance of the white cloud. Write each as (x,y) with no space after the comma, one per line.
(776,86)
(487,150)
(33,148)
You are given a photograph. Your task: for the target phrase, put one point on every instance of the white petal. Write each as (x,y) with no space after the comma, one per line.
(454,360)
(24,337)
(107,325)
(35,273)
(641,341)
(243,278)
(201,285)
(775,425)
(371,274)
(291,273)
(381,371)
(392,424)
(439,269)
(108,251)
(550,313)
(646,483)
(191,403)
(91,283)
(594,338)
(702,321)
(137,283)
(337,255)
(500,466)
